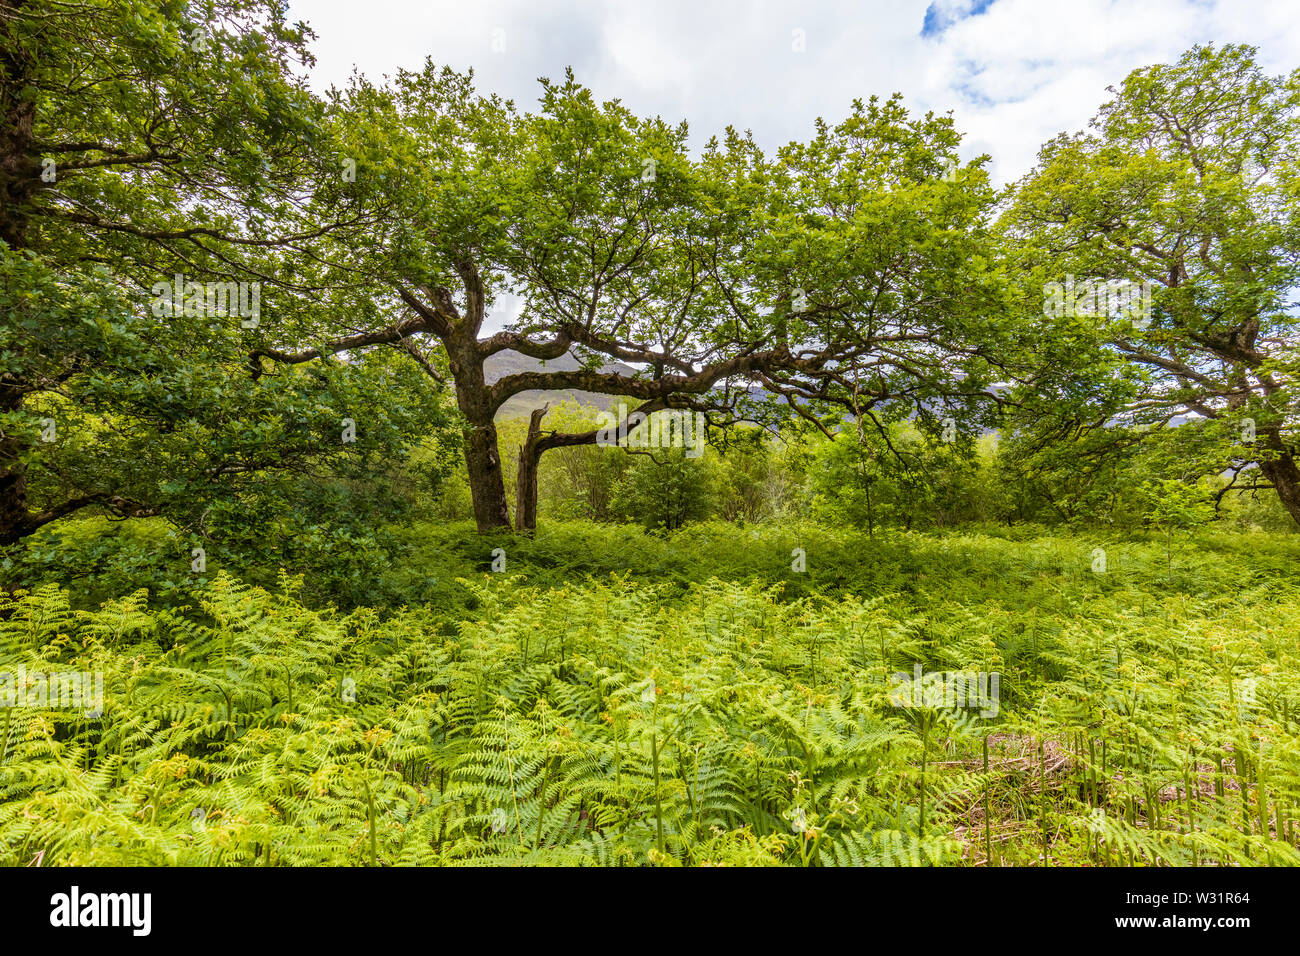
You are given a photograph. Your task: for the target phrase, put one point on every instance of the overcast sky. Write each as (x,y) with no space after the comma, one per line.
(1013,72)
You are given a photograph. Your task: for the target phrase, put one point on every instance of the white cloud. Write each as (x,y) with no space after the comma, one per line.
(1014,73)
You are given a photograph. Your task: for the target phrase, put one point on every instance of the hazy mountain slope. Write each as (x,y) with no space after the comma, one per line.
(519,406)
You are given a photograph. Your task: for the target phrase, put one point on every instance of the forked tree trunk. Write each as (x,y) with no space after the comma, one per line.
(536,444)
(482,456)
(530,455)
(486,484)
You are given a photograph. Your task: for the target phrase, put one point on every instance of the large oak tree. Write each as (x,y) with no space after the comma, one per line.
(846,272)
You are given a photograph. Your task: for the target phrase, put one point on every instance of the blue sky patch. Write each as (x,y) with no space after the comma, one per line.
(942,14)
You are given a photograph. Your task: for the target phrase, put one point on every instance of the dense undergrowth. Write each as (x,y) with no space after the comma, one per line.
(614,697)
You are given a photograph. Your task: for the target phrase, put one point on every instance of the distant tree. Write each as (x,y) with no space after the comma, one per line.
(912,480)
(664,489)
(1187,181)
